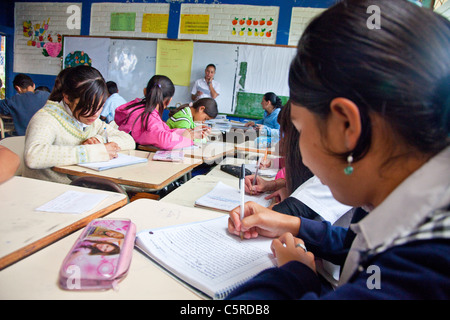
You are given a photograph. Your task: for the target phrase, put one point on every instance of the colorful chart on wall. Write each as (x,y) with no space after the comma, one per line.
(87,51)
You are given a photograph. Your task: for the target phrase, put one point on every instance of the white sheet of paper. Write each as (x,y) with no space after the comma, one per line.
(226,198)
(73,202)
(270,172)
(121,161)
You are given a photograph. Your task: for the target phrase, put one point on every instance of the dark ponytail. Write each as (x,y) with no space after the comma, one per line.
(56,94)
(159,89)
(274,99)
(209,104)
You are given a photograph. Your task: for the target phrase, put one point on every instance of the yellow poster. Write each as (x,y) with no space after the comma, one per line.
(194,23)
(155,23)
(174,59)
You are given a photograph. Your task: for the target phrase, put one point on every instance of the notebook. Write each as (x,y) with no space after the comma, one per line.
(225,198)
(206,256)
(172,155)
(121,161)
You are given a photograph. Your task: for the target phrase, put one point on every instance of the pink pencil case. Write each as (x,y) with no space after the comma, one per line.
(100,257)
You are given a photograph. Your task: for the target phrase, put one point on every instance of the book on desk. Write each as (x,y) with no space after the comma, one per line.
(122,160)
(206,256)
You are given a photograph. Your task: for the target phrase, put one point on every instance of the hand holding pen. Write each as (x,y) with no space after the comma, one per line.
(112,147)
(254,179)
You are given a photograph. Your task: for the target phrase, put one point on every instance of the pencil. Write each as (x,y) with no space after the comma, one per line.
(256,171)
(242,191)
(256,175)
(106,136)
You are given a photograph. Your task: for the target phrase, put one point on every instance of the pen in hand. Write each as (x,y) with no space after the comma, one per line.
(242,191)
(256,176)
(106,136)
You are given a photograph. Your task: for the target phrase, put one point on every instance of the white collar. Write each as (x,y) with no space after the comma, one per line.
(80,124)
(413,201)
(424,191)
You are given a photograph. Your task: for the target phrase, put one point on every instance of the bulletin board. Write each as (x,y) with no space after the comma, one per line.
(243,70)
(249,105)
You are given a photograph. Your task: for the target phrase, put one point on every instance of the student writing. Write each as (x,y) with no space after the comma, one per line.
(187,115)
(271,104)
(24,104)
(68,130)
(374,128)
(142,118)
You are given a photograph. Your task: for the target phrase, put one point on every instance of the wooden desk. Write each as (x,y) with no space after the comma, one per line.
(190,191)
(249,146)
(37,276)
(251,158)
(210,152)
(24,231)
(149,176)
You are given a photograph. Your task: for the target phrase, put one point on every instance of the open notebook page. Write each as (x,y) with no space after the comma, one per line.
(206,256)
(225,198)
(121,161)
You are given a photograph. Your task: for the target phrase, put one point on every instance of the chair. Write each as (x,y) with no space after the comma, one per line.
(98,183)
(6,125)
(17,145)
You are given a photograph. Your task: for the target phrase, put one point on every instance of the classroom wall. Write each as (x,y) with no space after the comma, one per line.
(96,14)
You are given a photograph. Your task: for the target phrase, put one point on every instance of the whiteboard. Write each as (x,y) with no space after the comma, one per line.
(131,63)
(95,48)
(267,68)
(224,57)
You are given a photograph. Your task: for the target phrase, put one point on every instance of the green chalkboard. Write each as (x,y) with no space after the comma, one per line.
(249,105)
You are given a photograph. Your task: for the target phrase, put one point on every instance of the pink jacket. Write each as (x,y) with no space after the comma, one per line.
(158,133)
(281,174)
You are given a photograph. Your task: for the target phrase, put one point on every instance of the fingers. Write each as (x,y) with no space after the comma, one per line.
(289,248)
(249,184)
(113,149)
(272,195)
(235,225)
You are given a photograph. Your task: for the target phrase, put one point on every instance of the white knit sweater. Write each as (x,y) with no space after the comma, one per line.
(54,138)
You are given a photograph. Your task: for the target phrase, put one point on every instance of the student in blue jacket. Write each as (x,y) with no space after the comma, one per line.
(271,104)
(268,126)
(22,106)
(373,110)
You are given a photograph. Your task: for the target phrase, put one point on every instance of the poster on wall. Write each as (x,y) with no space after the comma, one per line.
(87,51)
(39,27)
(174,59)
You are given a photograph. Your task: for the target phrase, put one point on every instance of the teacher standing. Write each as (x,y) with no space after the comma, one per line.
(206,87)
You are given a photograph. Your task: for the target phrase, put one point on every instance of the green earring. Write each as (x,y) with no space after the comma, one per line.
(349,169)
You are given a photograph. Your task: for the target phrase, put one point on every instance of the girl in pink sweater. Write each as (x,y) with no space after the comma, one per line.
(142,118)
